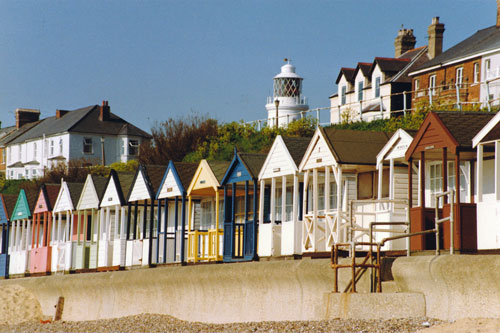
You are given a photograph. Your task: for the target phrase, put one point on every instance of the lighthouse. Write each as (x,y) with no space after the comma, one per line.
(287,101)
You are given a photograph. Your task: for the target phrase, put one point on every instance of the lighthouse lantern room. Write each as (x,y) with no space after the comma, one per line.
(287,101)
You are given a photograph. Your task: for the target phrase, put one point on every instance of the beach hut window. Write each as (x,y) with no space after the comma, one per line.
(289,203)
(206,215)
(277,210)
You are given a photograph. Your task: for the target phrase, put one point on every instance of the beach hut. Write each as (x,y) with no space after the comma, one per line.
(487,145)
(393,185)
(41,254)
(64,227)
(339,166)
(172,205)
(280,225)
(205,233)
(87,212)
(240,206)
(113,214)
(443,149)
(7,203)
(20,233)
(143,223)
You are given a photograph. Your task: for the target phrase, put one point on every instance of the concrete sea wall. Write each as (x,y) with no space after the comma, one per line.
(218,293)
(458,286)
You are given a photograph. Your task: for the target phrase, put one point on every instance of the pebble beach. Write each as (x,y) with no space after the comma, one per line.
(164,323)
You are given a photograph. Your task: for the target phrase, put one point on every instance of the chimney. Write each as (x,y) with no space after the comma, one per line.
(405,41)
(498,13)
(25,116)
(435,32)
(60,113)
(104,112)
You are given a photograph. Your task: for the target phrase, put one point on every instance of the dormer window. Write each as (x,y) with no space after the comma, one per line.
(360,91)
(343,95)
(377,86)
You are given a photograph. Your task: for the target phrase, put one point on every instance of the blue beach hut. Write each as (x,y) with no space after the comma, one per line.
(240,206)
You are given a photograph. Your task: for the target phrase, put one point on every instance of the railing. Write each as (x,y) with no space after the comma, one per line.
(297,99)
(456,96)
(198,245)
(450,218)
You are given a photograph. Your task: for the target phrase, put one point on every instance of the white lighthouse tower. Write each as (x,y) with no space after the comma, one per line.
(287,100)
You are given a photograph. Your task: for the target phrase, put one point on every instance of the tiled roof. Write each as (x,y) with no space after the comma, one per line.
(219,169)
(100,185)
(18,132)
(356,147)
(10,202)
(155,173)
(390,65)
(83,120)
(125,181)
(464,125)
(297,147)
(186,172)
(253,162)
(348,73)
(52,190)
(483,40)
(75,190)
(365,68)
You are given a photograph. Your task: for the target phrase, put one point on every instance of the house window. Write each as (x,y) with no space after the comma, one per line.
(60,146)
(459,76)
(19,152)
(436,180)
(487,66)
(87,146)
(133,147)
(417,85)
(343,95)
(360,91)
(51,147)
(476,72)
(35,151)
(33,172)
(27,173)
(432,84)
(377,86)
(124,144)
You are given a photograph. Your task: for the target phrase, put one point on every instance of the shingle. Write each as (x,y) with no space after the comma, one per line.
(18,132)
(253,162)
(464,125)
(348,73)
(83,120)
(481,41)
(186,172)
(356,147)
(219,169)
(10,202)
(75,190)
(100,185)
(297,147)
(52,191)
(155,173)
(125,180)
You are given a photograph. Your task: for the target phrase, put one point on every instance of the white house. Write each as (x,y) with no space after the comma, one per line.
(92,133)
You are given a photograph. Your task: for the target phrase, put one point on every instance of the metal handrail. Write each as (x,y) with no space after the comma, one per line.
(450,218)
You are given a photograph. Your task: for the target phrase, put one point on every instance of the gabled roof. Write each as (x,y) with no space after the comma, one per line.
(186,172)
(100,185)
(390,66)
(484,40)
(75,190)
(153,176)
(219,169)
(123,181)
(296,146)
(355,147)
(364,67)
(348,73)
(24,204)
(9,203)
(18,132)
(397,145)
(251,161)
(83,120)
(458,127)
(50,191)
(490,131)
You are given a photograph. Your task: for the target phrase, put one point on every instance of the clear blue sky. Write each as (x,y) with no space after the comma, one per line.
(158,59)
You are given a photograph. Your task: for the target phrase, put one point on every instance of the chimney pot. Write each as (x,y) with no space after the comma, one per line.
(104,111)
(435,31)
(25,116)
(405,41)
(498,13)
(60,113)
